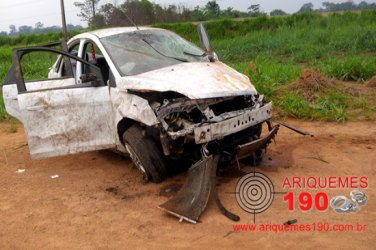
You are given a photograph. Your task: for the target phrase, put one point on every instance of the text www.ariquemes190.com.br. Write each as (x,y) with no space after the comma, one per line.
(316,226)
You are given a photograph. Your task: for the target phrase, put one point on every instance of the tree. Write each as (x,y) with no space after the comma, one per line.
(38,26)
(159,14)
(198,14)
(348,5)
(362,5)
(148,9)
(146,12)
(230,13)
(254,10)
(88,10)
(25,29)
(12,30)
(212,9)
(98,21)
(307,7)
(278,12)
(186,14)
(140,11)
(328,6)
(113,16)
(172,14)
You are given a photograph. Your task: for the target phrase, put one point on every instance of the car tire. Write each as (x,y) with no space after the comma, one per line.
(145,154)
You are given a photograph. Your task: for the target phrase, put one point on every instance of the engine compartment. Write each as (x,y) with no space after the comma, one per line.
(217,124)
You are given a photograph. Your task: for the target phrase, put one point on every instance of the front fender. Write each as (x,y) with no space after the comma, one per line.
(135,108)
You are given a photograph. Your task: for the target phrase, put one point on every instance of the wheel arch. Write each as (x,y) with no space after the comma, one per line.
(123,125)
(131,110)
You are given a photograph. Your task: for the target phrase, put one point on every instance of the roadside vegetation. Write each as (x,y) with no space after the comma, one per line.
(312,66)
(275,52)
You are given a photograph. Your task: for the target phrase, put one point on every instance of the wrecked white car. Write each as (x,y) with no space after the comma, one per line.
(146,92)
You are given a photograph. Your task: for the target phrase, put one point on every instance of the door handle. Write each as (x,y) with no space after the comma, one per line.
(36,108)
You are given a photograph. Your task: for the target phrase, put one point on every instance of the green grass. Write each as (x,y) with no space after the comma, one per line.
(273,51)
(35,66)
(292,105)
(332,107)
(305,36)
(351,68)
(5,61)
(266,75)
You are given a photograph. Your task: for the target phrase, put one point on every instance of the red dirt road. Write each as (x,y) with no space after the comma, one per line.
(100,202)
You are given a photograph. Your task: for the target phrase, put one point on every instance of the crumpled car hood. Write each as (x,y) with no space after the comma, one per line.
(196,80)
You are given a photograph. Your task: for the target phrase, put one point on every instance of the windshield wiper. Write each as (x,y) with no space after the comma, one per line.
(190,54)
(176,58)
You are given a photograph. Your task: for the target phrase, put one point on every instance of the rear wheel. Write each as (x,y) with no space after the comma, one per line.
(145,154)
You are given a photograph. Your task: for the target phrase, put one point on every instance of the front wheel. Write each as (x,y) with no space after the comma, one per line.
(145,154)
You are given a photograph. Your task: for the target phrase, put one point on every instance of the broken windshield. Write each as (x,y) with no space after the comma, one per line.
(146,50)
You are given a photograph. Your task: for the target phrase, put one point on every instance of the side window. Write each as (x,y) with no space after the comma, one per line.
(73,51)
(94,55)
(35,65)
(92,52)
(36,62)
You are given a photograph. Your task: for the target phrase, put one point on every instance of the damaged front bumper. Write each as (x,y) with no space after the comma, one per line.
(192,199)
(218,130)
(223,130)
(215,127)
(247,149)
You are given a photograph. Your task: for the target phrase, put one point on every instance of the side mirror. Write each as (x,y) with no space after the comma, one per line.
(205,43)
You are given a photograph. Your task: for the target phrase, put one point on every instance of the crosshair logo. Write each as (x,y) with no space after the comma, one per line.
(254,193)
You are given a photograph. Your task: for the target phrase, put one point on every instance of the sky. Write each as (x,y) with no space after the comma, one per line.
(29,12)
